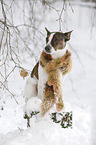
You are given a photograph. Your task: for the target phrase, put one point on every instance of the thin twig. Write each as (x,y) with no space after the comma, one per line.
(71,6)
(9,92)
(60,15)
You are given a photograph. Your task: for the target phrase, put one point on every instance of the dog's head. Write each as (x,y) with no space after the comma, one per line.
(56,41)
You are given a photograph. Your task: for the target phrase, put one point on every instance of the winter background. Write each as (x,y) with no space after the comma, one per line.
(22,26)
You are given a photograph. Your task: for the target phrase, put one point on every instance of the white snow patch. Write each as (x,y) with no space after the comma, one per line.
(33,104)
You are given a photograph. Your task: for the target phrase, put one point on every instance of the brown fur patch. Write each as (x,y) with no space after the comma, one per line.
(45,58)
(54,79)
(48,99)
(53,91)
(57,40)
(63,63)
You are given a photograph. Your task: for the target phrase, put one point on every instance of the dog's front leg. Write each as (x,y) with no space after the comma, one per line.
(49,99)
(55,80)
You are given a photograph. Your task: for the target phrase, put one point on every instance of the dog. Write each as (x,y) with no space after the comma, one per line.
(46,76)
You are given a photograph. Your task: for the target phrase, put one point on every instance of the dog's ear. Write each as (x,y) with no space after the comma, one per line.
(67,35)
(48,35)
(48,32)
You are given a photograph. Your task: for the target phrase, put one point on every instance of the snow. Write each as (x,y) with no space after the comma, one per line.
(79,88)
(44,131)
(33,104)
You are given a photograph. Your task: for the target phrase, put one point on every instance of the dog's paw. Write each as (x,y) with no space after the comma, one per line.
(51,82)
(68,55)
(59,106)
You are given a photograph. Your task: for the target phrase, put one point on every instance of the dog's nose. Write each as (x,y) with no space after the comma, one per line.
(48,48)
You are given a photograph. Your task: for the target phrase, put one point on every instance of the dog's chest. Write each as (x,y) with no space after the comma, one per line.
(43,76)
(59,53)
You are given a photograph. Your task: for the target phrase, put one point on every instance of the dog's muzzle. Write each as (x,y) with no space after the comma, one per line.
(48,49)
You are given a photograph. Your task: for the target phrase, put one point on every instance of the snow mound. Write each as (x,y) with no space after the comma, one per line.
(33,104)
(44,131)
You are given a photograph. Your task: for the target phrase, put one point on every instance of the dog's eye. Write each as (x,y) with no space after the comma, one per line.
(55,39)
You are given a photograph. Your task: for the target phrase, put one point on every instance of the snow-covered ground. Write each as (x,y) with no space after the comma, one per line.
(79,88)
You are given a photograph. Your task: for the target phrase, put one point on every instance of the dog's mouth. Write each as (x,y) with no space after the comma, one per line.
(55,53)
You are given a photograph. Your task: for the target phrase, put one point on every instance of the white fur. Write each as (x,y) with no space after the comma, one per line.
(30,88)
(33,104)
(59,53)
(50,38)
(43,77)
(32,84)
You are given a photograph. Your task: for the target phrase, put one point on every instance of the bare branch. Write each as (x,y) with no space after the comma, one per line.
(3,11)
(71,6)
(60,15)
(9,92)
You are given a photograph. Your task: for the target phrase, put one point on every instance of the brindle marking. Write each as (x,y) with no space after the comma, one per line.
(57,40)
